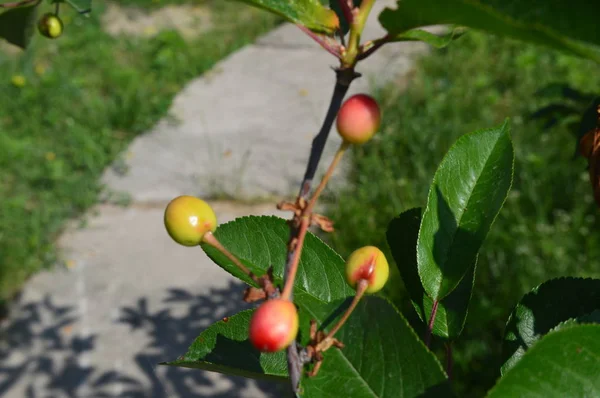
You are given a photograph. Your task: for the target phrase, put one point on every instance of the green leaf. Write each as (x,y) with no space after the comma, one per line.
(545,307)
(468,190)
(559,24)
(224,347)
(261,241)
(321,293)
(18,24)
(564,363)
(383,357)
(437,41)
(309,13)
(402,235)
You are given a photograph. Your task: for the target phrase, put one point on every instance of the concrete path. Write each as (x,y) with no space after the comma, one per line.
(129,297)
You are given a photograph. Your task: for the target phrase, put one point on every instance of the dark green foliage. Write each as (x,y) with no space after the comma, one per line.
(548,226)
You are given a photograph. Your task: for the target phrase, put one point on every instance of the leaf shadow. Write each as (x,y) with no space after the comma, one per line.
(445,243)
(43,355)
(543,308)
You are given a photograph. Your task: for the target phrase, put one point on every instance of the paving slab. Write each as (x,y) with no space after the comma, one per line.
(129,299)
(244,130)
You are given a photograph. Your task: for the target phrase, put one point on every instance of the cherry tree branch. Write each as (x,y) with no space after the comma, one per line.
(371,46)
(22,3)
(296,356)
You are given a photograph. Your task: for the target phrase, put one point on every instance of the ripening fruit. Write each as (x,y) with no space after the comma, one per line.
(50,26)
(368,263)
(188,218)
(358,119)
(274,325)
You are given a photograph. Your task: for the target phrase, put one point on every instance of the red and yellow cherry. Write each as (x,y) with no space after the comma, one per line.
(188,218)
(274,325)
(50,26)
(359,119)
(368,263)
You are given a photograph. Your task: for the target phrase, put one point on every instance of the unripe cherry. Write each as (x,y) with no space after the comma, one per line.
(358,119)
(368,263)
(188,218)
(274,325)
(50,26)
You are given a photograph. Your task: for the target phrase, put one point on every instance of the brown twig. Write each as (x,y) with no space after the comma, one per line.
(371,46)
(336,160)
(297,357)
(22,3)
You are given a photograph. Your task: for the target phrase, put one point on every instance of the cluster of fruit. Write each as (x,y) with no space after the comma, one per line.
(274,325)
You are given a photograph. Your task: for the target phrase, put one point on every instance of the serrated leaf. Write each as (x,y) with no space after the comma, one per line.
(321,293)
(224,347)
(437,41)
(468,190)
(17,25)
(564,363)
(567,26)
(592,317)
(544,308)
(383,357)
(261,241)
(309,13)
(402,235)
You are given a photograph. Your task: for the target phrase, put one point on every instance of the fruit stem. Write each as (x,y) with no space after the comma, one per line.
(210,239)
(293,266)
(431,323)
(305,222)
(361,287)
(344,77)
(336,160)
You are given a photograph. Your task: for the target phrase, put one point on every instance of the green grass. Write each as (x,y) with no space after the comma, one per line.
(549,225)
(70,106)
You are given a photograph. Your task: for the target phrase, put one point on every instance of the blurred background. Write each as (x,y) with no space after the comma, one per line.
(70,107)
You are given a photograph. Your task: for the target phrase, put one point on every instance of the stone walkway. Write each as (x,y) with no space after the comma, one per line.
(129,297)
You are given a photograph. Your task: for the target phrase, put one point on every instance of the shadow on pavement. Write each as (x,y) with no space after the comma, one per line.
(40,358)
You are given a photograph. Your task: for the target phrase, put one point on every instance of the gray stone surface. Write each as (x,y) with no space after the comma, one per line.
(244,131)
(129,297)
